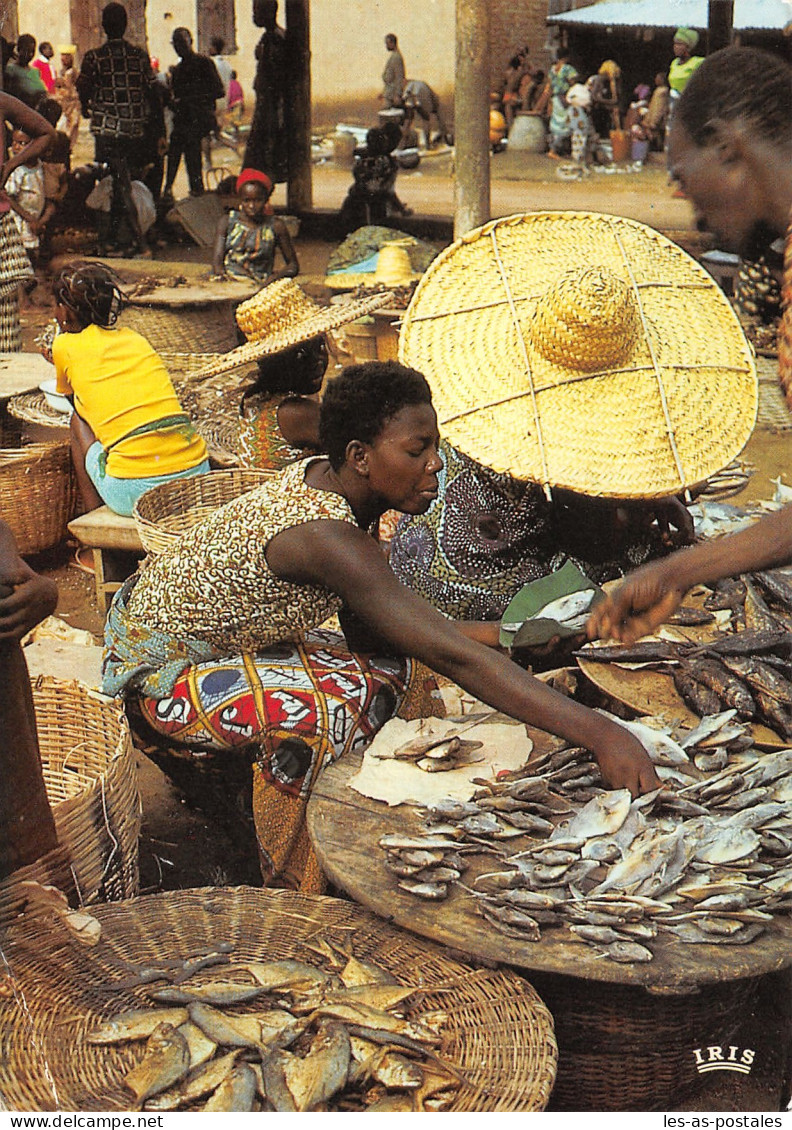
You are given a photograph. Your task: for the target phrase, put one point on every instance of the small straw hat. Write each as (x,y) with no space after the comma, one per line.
(393,269)
(582,351)
(282,315)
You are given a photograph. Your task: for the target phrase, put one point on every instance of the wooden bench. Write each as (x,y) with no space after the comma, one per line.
(103,532)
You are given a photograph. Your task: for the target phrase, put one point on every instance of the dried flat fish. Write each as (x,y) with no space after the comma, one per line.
(198,1083)
(602,816)
(165,1061)
(283,974)
(214,992)
(255,1030)
(627,952)
(236,1092)
(137,1024)
(315,1078)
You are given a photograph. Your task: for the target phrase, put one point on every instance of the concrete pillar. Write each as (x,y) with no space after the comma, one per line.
(299,195)
(471,116)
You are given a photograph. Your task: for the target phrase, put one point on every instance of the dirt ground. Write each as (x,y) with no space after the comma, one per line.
(187,846)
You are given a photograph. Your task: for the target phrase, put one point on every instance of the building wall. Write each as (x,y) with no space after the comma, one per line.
(347,42)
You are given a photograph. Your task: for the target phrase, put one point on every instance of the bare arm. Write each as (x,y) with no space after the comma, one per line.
(291,267)
(349,562)
(649,595)
(298,420)
(33,597)
(218,253)
(39,130)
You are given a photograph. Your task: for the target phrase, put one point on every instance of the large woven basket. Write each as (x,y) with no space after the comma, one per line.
(622,1048)
(91,782)
(498,1033)
(38,493)
(202,327)
(166,512)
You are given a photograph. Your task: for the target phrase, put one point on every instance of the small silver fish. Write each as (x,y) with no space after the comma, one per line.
(435,892)
(627,952)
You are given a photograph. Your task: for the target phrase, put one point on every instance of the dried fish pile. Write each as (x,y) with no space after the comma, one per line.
(748,668)
(707,858)
(283,1036)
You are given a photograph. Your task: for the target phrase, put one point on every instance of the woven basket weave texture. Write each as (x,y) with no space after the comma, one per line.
(91,782)
(622,1048)
(499,1033)
(38,493)
(166,512)
(526,383)
(201,328)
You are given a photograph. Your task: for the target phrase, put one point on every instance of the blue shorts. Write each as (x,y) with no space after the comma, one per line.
(122,494)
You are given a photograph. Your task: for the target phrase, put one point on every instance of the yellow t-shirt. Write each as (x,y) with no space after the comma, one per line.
(680,73)
(119,383)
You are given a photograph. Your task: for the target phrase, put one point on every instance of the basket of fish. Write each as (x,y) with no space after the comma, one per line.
(237,999)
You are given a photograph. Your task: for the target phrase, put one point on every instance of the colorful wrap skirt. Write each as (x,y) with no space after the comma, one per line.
(292,708)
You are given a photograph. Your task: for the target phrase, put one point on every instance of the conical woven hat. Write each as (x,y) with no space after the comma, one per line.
(282,315)
(393,269)
(583,351)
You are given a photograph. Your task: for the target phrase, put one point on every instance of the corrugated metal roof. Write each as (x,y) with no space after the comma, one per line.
(749,15)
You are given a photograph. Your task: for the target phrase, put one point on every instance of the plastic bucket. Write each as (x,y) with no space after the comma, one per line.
(640,149)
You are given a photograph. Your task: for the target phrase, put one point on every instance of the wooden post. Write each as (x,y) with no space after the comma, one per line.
(720,23)
(299,196)
(471,116)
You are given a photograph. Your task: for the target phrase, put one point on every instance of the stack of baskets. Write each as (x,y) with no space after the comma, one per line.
(166,512)
(91,782)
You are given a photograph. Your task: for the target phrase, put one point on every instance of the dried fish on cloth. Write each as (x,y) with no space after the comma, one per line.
(707,859)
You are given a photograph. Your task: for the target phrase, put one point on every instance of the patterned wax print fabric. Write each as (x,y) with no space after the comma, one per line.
(213,594)
(487,534)
(249,252)
(261,442)
(15,269)
(296,707)
(582,134)
(25,185)
(560,81)
(785,324)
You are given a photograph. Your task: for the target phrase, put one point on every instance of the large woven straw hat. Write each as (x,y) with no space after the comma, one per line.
(282,315)
(582,351)
(393,269)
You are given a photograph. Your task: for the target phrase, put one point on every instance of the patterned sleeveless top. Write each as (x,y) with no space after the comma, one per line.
(215,584)
(261,442)
(249,252)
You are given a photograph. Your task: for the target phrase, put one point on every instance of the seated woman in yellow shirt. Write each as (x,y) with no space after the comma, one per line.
(128,430)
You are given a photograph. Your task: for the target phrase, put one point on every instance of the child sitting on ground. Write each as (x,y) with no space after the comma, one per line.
(247,238)
(25,191)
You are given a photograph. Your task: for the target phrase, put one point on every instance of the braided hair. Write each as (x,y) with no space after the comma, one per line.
(91,292)
(739,84)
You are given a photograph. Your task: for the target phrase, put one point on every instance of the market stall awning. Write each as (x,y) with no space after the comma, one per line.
(749,15)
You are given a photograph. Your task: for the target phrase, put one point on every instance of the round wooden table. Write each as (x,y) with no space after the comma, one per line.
(688,997)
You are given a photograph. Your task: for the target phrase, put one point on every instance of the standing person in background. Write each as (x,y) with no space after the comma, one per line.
(195,86)
(44,66)
(21,80)
(268,142)
(15,268)
(419,98)
(65,92)
(116,89)
(559,79)
(223,68)
(394,74)
(683,66)
(25,191)
(235,104)
(56,166)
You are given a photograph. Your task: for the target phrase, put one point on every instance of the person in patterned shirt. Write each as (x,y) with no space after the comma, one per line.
(116,89)
(730,151)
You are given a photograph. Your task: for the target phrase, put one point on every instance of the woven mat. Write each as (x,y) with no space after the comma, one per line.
(499,1033)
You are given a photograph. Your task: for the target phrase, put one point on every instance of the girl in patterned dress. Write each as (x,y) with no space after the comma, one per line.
(248,237)
(219,640)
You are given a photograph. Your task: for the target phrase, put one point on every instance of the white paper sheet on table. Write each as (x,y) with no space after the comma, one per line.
(506,746)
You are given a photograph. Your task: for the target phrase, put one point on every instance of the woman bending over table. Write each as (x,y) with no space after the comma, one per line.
(219,640)
(128,430)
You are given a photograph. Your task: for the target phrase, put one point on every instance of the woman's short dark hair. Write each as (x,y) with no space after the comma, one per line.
(292,370)
(90,291)
(359,402)
(739,83)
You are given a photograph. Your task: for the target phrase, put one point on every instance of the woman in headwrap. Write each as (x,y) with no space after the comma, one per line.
(683,66)
(246,239)
(559,79)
